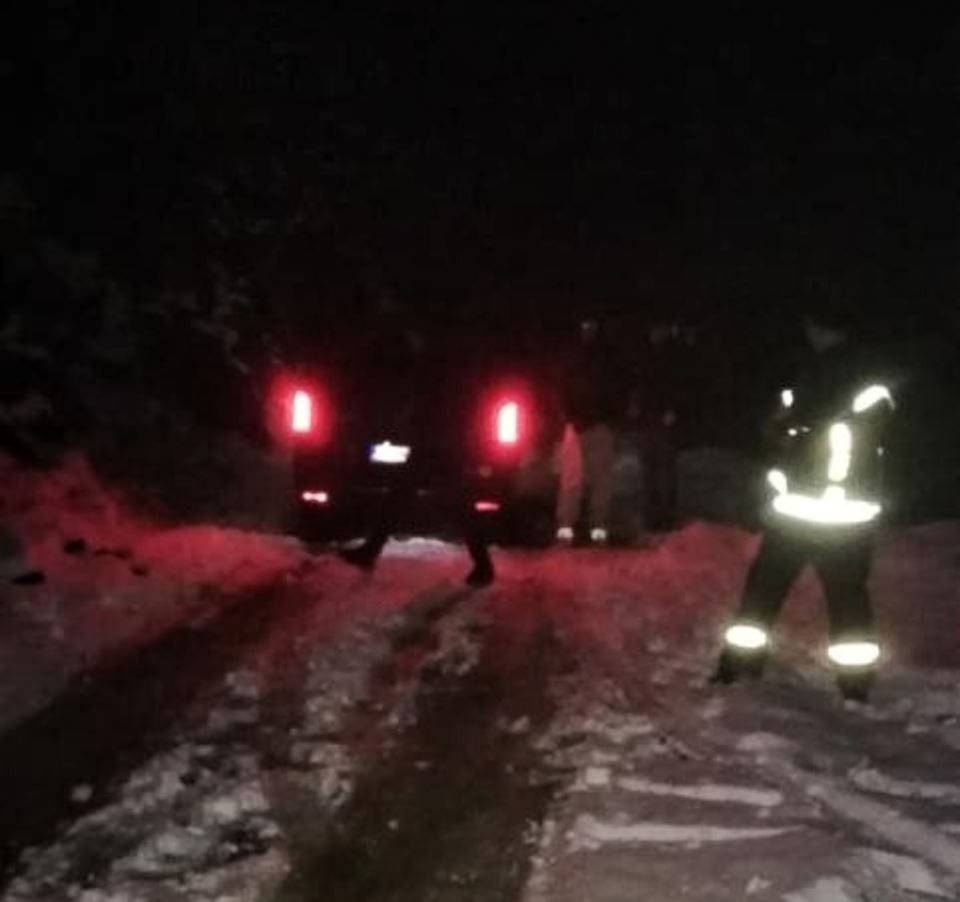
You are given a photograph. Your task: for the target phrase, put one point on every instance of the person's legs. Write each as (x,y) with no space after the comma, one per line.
(844,569)
(384,523)
(571,483)
(474,530)
(779,561)
(365,556)
(599,455)
(483,572)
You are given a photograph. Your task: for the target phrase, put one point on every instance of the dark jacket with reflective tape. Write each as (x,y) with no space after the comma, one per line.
(826,438)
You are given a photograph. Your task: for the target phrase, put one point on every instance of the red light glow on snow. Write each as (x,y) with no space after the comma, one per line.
(508,423)
(486,506)
(315,497)
(302,412)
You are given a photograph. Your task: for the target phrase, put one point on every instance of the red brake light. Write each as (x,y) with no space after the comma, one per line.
(508,423)
(301,412)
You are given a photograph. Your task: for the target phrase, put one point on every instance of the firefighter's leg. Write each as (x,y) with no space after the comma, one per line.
(571,484)
(599,455)
(746,641)
(854,651)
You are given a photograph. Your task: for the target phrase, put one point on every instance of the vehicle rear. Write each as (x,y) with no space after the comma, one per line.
(439,441)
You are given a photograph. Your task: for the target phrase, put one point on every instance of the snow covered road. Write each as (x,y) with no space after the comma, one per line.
(396,737)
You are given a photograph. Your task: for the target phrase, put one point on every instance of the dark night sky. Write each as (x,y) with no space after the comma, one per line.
(519,154)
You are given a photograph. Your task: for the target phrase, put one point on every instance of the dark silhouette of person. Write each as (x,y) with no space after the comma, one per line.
(657,405)
(593,394)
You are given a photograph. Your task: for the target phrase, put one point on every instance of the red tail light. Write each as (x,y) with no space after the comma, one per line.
(508,423)
(302,414)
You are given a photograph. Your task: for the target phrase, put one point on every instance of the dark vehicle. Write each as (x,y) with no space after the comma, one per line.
(438,438)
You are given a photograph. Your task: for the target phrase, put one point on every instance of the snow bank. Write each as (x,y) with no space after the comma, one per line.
(89,581)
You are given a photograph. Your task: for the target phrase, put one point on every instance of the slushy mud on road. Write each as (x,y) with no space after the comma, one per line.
(449,808)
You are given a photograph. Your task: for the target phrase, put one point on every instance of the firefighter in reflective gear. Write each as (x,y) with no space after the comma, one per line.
(824,506)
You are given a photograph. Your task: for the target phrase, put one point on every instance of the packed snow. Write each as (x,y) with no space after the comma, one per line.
(663,786)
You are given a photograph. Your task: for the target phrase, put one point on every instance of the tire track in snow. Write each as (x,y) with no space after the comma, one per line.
(590,830)
(445,807)
(626,826)
(873,780)
(779,758)
(773,761)
(706,792)
(881,820)
(357,636)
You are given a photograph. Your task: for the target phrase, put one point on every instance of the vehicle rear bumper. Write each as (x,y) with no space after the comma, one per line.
(335,505)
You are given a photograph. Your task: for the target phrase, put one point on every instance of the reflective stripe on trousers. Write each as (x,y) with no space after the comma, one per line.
(841,561)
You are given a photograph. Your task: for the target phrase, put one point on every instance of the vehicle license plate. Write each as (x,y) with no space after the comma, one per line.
(390,454)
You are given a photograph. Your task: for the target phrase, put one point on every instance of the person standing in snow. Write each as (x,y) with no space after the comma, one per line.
(824,508)
(593,402)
